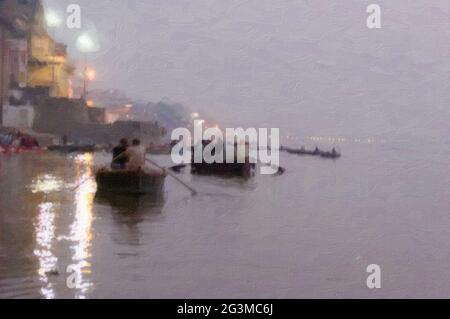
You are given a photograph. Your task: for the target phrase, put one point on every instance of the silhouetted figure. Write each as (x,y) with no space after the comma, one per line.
(64,139)
(136,156)
(120,158)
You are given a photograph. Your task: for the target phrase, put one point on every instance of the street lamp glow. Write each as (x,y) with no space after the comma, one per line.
(52,18)
(85,43)
(91,74)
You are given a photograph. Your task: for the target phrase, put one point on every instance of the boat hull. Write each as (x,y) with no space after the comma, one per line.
(230,169)
(130,182)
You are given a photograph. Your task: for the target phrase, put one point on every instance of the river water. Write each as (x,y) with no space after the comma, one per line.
(309,233)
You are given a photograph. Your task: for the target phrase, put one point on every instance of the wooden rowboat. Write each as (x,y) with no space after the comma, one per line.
(235,168)
(230,169)
(121,181)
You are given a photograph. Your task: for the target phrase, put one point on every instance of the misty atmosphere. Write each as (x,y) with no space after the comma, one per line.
(348,195)
(308,67)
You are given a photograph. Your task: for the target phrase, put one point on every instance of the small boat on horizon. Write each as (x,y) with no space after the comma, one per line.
(333,154)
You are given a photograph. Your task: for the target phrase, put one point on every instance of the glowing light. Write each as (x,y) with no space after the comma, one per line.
(195,115)
(91,74)
(90,103)
(52,18)
(85,44)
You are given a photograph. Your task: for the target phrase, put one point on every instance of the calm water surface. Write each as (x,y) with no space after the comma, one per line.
(308,233)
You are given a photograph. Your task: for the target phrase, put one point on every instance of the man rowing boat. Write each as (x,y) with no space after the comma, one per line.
(136,156)
(130,158)
(119,161)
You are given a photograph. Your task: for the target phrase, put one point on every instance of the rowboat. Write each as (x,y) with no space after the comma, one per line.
(122,181)
(302,151)
(316,152)
(231,169)
(71,148)
(330,155)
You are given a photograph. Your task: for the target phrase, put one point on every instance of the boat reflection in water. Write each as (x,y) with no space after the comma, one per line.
(81,228)
(128,211)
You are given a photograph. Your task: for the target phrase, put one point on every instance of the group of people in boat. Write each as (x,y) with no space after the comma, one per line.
(316,152)
(128,157)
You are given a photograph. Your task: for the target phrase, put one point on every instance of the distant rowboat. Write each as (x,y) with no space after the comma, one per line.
(141,182)
(316,152)
(331,155)
(72,148)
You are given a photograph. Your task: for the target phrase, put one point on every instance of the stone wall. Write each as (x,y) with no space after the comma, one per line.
(72,118)
(59,115)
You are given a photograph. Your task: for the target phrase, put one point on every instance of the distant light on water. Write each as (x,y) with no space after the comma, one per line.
(338,139)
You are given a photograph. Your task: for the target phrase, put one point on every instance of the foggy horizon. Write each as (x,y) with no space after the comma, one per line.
(305,68)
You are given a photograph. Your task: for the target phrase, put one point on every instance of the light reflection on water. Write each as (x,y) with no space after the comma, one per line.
(81,228)
(310,232)
(45,236)
(46,183)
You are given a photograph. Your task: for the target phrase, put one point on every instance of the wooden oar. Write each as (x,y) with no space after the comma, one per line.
(193,191)
(177,168)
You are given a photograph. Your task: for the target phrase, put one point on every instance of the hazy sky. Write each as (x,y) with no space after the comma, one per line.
(308,67)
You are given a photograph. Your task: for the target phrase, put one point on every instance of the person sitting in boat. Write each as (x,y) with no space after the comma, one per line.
(136,156)
(119,156)
(317,151)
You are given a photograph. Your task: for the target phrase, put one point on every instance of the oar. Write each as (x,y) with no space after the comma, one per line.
(80,184)
(177,168)
(193,191)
